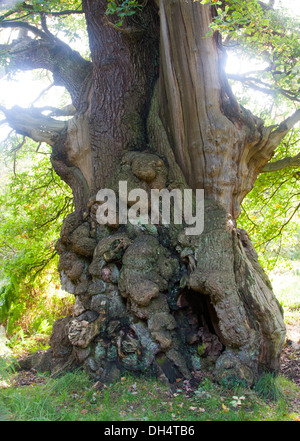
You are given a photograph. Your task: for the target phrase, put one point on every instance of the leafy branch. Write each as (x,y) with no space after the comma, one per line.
(123,9)
(264,87)
(33,205)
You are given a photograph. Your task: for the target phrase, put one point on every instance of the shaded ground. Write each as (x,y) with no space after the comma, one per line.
(28,378)
(290,364)
(290,358)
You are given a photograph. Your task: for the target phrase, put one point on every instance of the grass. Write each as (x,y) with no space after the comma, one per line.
(269,387)
(73,397)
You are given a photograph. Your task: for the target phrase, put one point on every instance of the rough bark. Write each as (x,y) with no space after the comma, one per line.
(149,298)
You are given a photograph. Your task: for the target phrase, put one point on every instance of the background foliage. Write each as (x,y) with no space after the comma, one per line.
(33,204)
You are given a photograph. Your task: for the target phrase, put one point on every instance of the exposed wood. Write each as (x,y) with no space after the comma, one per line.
(34,124)
(219,145)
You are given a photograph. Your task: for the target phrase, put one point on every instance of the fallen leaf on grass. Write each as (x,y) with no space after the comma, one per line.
(225,409)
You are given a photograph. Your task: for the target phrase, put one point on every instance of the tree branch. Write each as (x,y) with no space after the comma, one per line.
(66,12)
(32,123)
(279,133)
(50,13)
(261,86)
(267,6)
(23,25)
(42,93)
(67,110)
(15,150)
(45,27)
(283,225)
(69,69)
(289,161)
(8,14)
(261,153)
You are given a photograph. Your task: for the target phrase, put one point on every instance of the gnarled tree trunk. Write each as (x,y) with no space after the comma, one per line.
(154,109)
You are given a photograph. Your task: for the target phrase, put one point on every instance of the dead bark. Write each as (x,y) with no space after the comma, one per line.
(219,145)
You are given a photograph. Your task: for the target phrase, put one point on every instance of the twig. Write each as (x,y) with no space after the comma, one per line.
(262,86)
(282,226)
(23,25)
(289,161)
(42,93)
(15,150)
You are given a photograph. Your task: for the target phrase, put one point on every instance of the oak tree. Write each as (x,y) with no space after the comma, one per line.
(153,107)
